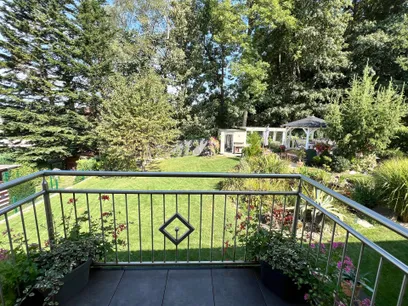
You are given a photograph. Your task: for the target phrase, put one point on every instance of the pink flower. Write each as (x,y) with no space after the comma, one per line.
(306,296)
(3,254)
(337,245)
(365,302)
(72,200)
(312,245)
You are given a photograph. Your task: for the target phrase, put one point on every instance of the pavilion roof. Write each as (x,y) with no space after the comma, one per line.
(308,122)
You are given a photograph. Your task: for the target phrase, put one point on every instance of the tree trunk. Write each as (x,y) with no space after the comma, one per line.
(245,118)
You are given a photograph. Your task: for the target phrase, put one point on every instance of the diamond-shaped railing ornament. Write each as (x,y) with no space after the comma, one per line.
(176,240)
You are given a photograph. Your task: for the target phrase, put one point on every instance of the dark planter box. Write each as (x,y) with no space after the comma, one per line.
(74,282)
(282,285)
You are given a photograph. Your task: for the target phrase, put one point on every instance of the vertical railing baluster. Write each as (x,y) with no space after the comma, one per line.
(63,215)
(9,234)
(212,227)
(36,225)
(24,229)
(140,226)
(402,291)
(260,212)
(235,229)
(304,217)
(330,248)
(283,215)
(48,211)
(201,227)
(89,212)
(127,226)
(311,231)
(75,209)
(360,256)
(377,281)
(343,255)
(115,229)
(223,231)
(151,224)
(188,237)
(272,206)
(319,249)
(297,210)
(164,220)
(247,224)
(102,226)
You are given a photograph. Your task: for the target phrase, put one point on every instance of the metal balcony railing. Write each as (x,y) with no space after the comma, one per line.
(198,227)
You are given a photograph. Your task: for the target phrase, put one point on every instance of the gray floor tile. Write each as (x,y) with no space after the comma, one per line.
(236,287)
(99,291)
(141,288)
(189,287)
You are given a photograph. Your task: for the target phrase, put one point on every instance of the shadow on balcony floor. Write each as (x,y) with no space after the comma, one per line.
(185,287)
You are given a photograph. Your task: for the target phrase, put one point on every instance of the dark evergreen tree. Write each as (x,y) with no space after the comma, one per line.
(43,84)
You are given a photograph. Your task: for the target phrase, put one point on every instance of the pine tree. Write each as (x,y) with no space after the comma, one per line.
(42,102)
(136,122)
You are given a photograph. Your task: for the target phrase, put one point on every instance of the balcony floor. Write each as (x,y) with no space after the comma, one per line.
(175,287)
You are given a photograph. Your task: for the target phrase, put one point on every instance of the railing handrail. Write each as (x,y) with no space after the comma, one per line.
(171,174)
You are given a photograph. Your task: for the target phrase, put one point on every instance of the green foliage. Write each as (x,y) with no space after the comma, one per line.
(16,271)
(48,78)
(365,120)
(7,159)
(391,182)
(340,164)
(254,147)
(363,191)
(136,124)
(316,174)
(24,190)
(88,164)
(365,163)
(400,139)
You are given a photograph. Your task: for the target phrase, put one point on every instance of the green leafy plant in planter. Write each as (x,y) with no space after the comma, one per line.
(17,268)
(67,255)
(284,266)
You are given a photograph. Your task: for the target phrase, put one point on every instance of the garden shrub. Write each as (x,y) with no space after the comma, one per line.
(90,164)
(364,192)
(316,174)
(364,164)
(6,159)
(271,163)
(391,153)
(255,146)
(400,140)
(391,181)
(24,190)
(274,146)
(340,164)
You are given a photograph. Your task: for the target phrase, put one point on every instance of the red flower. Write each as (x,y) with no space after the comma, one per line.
(238,216)
(104,197)
(105,214)
(227,245)
(251,207)
(72,200)
(242,226)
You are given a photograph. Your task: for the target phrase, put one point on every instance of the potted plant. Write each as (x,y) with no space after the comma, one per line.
(284,268)
(64,266)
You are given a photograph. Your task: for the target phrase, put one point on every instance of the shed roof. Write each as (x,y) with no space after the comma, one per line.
(308,122)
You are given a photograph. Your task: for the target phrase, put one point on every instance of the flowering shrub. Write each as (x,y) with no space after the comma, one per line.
(321,147)
(214,145)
